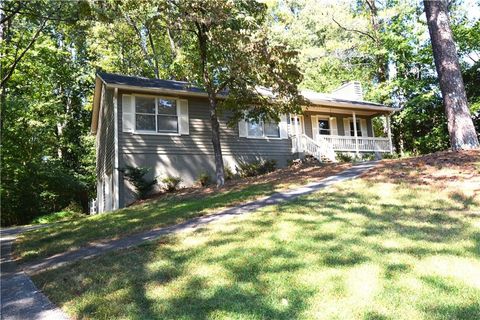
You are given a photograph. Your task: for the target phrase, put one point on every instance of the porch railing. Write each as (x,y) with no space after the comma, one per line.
(344,143)
(320,149)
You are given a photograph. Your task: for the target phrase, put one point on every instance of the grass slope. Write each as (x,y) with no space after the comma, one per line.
(165,210)
(403,242)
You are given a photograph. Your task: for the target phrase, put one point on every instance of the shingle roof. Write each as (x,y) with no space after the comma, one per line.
(117,79)
(135,81)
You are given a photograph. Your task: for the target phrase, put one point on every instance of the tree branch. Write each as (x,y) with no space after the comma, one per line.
(355,30)
(36,15)
(17,60)
(154,55)
(224,84)
(13,12)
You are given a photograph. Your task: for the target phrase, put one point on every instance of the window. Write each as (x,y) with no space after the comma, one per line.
(262,129)
(323,126)
(272,130)
(145,114)
(167,118)
(156,114)
(352,129)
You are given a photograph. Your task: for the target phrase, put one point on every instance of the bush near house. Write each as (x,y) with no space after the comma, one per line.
(136,176)
(204,179)
(255,168)
(171,183)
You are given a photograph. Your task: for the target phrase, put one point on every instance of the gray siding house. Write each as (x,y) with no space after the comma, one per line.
(164,125)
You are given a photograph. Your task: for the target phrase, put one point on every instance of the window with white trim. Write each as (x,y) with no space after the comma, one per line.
(263,129)
(352,129)
(324,126)
(155,114)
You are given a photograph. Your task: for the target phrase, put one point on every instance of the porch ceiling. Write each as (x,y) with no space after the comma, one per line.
(364,111)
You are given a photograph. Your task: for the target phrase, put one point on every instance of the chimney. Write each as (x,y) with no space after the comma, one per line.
(349,91)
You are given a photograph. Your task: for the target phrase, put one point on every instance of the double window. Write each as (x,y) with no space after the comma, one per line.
(263,129)
(352,128)
(154,114)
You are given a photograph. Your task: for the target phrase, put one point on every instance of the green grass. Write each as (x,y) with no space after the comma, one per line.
(360,250)
(59,216)
(76,233)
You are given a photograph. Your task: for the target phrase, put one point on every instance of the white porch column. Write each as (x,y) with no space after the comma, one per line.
(389,132)
(355,132)
(297,133)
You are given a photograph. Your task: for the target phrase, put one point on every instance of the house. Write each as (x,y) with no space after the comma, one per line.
(164,125)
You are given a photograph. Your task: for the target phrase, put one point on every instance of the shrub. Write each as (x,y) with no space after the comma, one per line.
(390,156)
(136,177)
(369,156)
(171,183)
(251,169)
(228,172)
(268,166)
(344,157)
(204,179)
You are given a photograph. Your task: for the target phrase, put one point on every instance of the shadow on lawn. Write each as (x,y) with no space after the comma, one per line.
(449,311)
(78,233)
(259,276)
(194,300)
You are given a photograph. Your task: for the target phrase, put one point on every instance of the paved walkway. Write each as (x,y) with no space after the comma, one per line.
(21,299)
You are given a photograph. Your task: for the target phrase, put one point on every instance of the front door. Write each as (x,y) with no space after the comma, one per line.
(296,123)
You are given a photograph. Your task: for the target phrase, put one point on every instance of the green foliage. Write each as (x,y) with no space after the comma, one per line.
(171,183)
(344,157)
(36,189)
(229,175)
(204,179)
(388,50)
(47,158)
(369,156)
(46,93)
(63,215)
(390,156)
(255,168)
(226,45)
(136,176)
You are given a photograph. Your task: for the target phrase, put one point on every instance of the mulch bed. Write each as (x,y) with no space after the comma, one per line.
(455,169)
(296,174)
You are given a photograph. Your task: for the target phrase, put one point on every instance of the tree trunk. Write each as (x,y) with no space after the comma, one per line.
(208,83)
(154,54)
(217,148)
(460,125)
(381,59)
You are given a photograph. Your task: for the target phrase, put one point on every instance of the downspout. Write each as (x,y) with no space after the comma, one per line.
(116,176)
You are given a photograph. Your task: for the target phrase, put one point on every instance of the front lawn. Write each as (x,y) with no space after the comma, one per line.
(403,242)
(165,210)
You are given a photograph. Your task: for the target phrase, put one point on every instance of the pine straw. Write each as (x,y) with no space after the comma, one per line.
(281,179)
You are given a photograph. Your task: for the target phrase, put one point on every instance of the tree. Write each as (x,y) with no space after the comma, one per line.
(460,125)
(47,159)
(226,49)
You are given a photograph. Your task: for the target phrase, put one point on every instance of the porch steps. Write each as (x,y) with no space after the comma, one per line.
(320,150)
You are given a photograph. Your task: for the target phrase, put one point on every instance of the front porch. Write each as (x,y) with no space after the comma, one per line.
(328,131)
